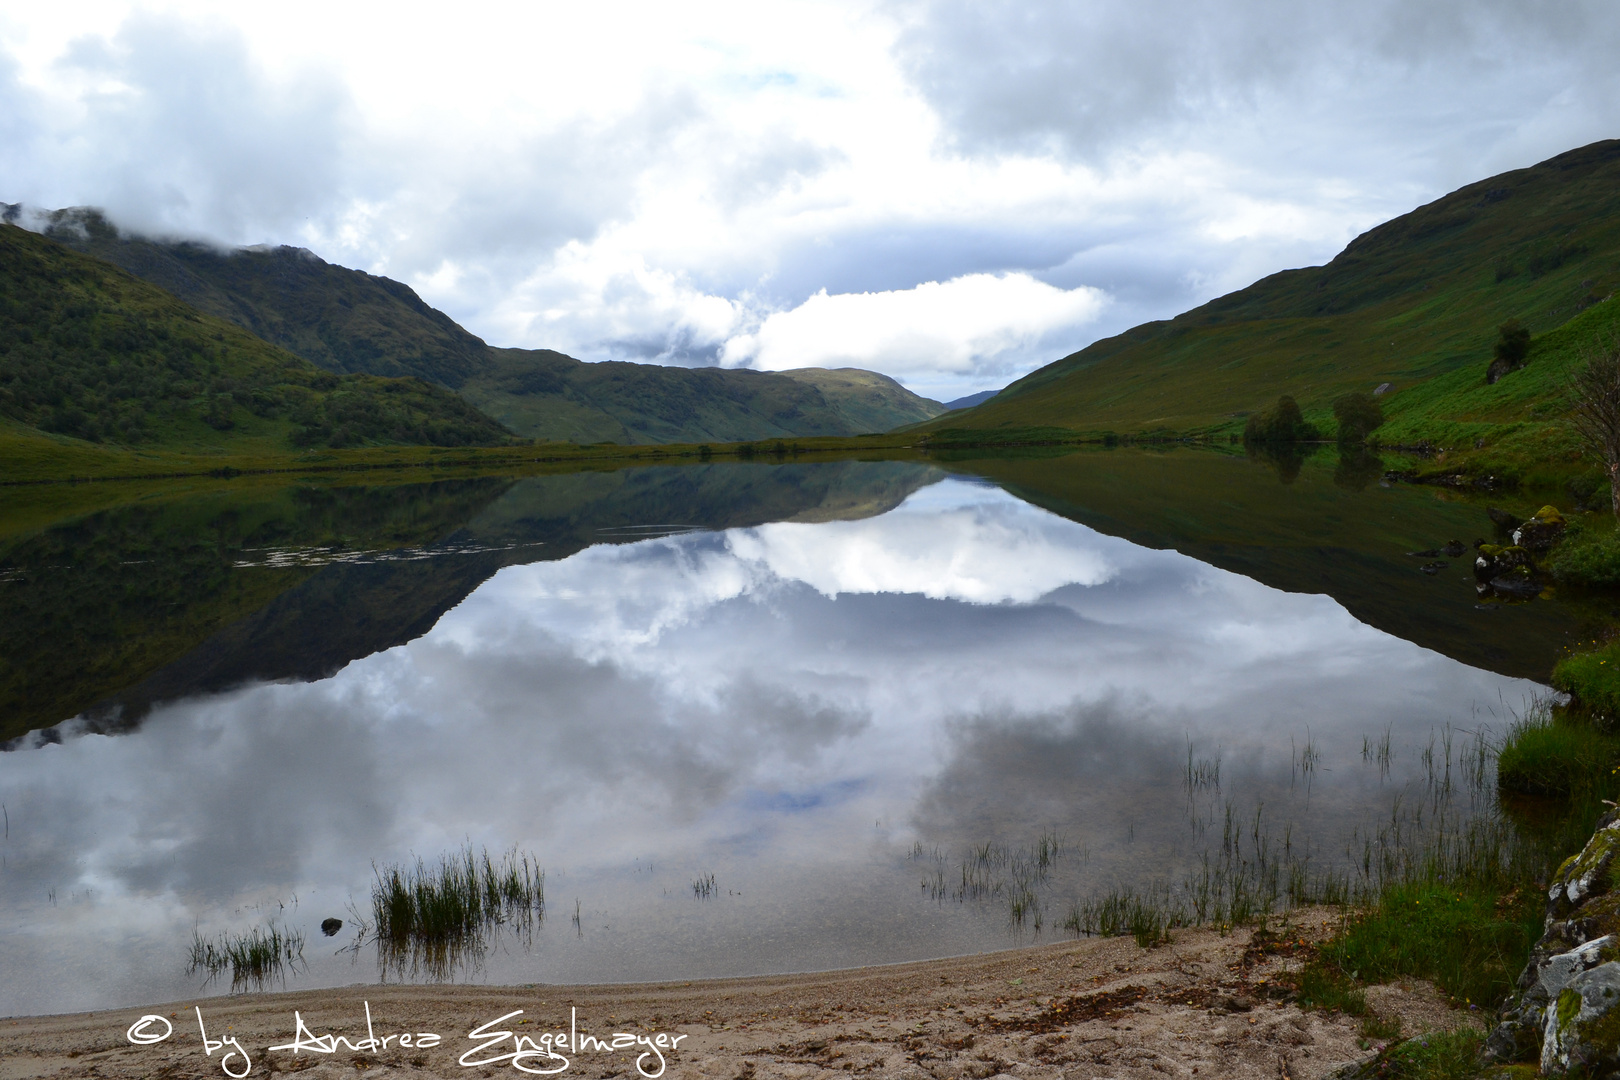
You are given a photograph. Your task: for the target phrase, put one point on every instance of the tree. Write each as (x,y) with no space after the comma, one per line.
(1595,387)
(1512,347)
(1284,424)
(1357,415)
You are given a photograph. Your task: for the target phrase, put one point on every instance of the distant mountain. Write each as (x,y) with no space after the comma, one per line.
(547,395)
(89,351)
(971,400)
(348,321)
(1415,298)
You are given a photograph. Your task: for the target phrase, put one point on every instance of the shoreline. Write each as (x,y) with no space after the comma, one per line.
(1202,1004)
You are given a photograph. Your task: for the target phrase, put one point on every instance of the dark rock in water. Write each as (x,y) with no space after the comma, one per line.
(1542,531)
(1479,543)
(1566,1015)
(1433,568)
(1516,585)
(1430,554)
(331,926)
(1501,518)
(1454,548)
(1495,560)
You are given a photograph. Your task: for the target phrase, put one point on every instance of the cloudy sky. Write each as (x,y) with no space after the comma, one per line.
(949,191)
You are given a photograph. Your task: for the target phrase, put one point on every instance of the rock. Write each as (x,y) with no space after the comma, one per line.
(1501,518)
(1429,554)
(331,926)
(1495,560)
(1519,583)
(1454,548)
(1433,568)
(1567,1012)
(1542,531)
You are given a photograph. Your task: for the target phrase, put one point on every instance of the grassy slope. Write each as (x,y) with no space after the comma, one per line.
(342,320)
(348,321)
(93,353)
(868,401)
(548,395)
(1415,298)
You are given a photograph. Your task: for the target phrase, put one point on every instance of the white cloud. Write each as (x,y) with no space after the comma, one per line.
(979,324)
(796,182)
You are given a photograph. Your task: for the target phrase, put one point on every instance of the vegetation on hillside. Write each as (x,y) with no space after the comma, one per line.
(547,395)
(341,320)
(1412,302)
(89,352)
(350,322)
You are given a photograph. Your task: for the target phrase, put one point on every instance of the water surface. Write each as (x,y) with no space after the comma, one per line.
(825,686)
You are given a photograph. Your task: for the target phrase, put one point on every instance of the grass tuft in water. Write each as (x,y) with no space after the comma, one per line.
(434,916)
(255,958)
(703,888)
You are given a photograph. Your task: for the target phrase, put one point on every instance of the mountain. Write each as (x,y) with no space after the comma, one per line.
(91,352)
(350,322)
(971,400)
(547,395)
(1415,298)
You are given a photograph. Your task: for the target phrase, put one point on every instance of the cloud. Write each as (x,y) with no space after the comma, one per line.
(812,182)
(1423,78)
(980,324)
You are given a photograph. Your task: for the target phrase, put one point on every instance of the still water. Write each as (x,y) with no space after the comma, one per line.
(818,688)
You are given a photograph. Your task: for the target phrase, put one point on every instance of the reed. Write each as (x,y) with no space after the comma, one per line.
(435,916)
(254,958)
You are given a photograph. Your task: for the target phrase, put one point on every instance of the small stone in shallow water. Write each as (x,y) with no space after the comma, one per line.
(331,926)
(1432,568)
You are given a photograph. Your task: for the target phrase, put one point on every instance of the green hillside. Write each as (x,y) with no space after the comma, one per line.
(1417,298)
(547,395)
(350,322)
(90,352)
(345,321)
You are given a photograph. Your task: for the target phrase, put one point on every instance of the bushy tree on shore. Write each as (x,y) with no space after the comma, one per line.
(1595,388)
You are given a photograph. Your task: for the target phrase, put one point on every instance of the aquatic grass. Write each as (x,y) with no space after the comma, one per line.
(991,871)
(703,888)
(254,958)
(435,916)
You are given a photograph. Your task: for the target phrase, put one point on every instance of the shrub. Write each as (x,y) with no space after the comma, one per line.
(1587,557)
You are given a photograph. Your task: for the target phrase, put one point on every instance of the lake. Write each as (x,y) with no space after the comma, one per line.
(747,718)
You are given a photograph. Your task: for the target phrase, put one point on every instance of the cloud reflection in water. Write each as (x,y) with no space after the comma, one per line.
(787,706)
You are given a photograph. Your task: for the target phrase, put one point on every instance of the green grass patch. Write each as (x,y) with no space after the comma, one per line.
(1452,1055)
(1559,752)
(1593,680)
(1464,939)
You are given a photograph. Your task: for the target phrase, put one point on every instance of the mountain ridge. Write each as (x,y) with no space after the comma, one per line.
(350,322)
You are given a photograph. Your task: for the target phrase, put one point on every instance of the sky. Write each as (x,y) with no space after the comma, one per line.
(950,192)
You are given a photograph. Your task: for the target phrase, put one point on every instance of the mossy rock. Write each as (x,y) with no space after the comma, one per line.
(1567,1014)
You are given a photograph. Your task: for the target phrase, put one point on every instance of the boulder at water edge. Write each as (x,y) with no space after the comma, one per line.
(1542,531)
(1567,1011)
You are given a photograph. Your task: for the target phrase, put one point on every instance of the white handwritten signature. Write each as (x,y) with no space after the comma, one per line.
(540,1055)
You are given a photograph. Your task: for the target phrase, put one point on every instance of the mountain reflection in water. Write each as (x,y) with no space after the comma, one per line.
(789,706)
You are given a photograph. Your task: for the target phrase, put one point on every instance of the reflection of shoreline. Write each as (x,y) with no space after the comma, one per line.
(1082,1007)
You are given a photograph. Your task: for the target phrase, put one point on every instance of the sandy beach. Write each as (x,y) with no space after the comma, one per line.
(1203,1005)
